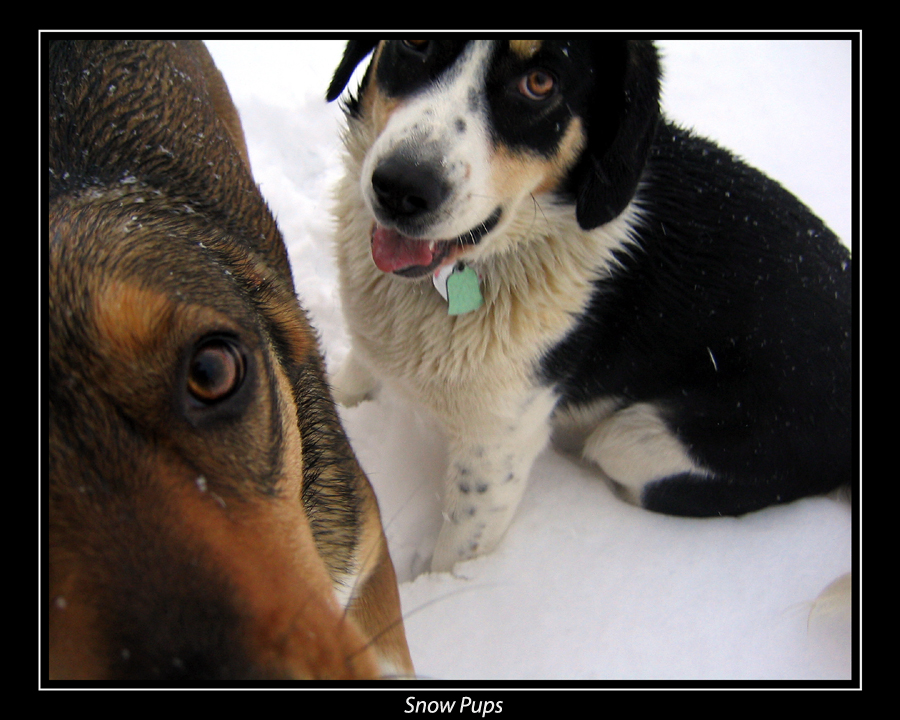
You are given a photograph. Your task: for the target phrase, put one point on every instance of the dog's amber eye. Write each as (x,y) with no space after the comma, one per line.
(419,46)
(216,371)
(537,85)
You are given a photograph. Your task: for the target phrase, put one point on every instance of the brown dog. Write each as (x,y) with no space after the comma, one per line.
(207,517)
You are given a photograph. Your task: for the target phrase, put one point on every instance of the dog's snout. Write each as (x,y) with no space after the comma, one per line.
(406,188)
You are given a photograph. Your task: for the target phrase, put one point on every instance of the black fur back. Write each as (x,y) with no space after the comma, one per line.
(732,312)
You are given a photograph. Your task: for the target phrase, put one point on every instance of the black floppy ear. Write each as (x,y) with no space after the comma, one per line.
(354,53)
(621,124)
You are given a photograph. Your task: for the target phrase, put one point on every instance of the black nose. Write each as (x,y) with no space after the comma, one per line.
(406,189)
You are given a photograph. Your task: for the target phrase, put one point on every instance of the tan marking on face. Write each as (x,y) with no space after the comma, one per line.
(264,545)
(380,108)
(377,107)
(525,49)
(131,318)
(73,654)
(517,173)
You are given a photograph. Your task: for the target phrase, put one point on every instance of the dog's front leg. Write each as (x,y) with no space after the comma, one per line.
(487,473)
(353,383)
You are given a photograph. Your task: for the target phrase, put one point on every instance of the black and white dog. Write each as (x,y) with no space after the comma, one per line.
(527,247)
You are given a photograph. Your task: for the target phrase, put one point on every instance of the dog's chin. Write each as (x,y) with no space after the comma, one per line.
(414,257)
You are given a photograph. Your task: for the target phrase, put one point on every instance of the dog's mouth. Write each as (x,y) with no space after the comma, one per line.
(413,257)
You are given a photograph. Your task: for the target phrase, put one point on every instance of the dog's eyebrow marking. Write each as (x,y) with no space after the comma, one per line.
(525,48)
(130,317)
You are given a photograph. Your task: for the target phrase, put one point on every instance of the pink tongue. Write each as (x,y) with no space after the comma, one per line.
(392,251)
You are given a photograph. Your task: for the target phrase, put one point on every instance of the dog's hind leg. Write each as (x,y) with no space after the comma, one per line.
(635,449)
(651,466)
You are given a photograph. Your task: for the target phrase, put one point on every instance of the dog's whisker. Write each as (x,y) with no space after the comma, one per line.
(436,601)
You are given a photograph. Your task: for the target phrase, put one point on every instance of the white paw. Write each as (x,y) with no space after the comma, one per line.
(353,383)
(454,545)
(467,540)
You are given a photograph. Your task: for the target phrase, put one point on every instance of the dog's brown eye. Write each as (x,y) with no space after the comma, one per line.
(420,46)
(216,371)
(537,85)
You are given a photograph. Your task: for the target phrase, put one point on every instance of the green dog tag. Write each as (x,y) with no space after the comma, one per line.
(463,291)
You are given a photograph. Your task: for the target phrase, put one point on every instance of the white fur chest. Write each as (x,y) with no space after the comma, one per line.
(477,363)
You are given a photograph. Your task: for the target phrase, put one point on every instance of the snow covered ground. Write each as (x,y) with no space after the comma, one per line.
(585,587)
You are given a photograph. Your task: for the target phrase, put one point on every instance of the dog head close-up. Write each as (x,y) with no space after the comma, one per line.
(207,518)
(462,134)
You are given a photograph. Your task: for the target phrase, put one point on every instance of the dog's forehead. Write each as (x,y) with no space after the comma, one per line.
(401,71)
(457,75)
(104,243)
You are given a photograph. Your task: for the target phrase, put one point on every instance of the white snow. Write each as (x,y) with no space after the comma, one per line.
(584,587)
